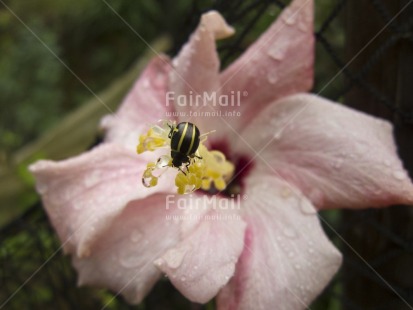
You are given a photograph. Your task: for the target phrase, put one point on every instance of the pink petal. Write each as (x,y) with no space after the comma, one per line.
(205,260)
(122,258)
(196,68)
(83,194)
(336,156)
(143,106)
(287,259)
(278,64)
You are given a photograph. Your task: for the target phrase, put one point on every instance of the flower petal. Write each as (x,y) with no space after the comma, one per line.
(278,64)
(83,194)
(122,258)
(143,106)
(196,68)
(287,259)
(336,156)
(204,260)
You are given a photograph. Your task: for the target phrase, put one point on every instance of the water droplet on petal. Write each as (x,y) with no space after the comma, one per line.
(290,232)
(297,266)
(285,192)
(387,162)
(175,62)
(146,83)
(136,235)
(306,206)
(338,162)
(129,260)
(277,52)
(175,257)
(159,262)
(183,279)
(277,135)
(290,16)
(42,187)
(272,77)
(399,175)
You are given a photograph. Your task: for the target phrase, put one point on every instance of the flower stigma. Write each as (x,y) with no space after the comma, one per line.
(205,169)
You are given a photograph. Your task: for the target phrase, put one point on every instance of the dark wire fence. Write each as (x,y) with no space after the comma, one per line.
(375,76)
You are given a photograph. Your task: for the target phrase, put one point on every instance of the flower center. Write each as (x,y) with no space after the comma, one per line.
(198,167)
(242,167)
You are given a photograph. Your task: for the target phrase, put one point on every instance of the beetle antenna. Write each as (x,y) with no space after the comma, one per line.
(203,137)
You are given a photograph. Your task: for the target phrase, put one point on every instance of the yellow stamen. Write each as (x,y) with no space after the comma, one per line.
(205,170)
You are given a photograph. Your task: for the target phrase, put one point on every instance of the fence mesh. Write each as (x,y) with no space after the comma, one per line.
(377,244)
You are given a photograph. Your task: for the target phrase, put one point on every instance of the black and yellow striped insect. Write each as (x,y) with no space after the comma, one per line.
(185,139)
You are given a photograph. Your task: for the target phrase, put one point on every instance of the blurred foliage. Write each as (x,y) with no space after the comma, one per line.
(37,90)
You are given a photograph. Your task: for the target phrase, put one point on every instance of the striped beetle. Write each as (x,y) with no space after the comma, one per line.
(185,139)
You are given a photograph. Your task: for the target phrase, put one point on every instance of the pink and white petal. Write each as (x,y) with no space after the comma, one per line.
(338,157)
(204,261)
(196,68)
(287,259)
(143,106)
(83,194)
(278,64)
(122,258)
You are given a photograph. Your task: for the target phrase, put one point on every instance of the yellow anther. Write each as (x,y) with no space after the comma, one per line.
(156,137)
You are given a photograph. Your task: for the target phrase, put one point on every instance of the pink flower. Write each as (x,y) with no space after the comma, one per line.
(295,153)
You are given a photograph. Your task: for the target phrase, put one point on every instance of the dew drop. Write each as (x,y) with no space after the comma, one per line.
(159,262)
(276,53)
(146,181)
(42,187)
(291,254)
(146,83)
(129,260)
(175,257)
(290,232)
(163,161)
(136,235)
(290,17)
(92,178)
(285,192)
(386,162)
(272,77)
(175,62)
(399,175)
(297,266)
(306,206)
(338,163)
(183,279)
(277,135)
(77,206)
